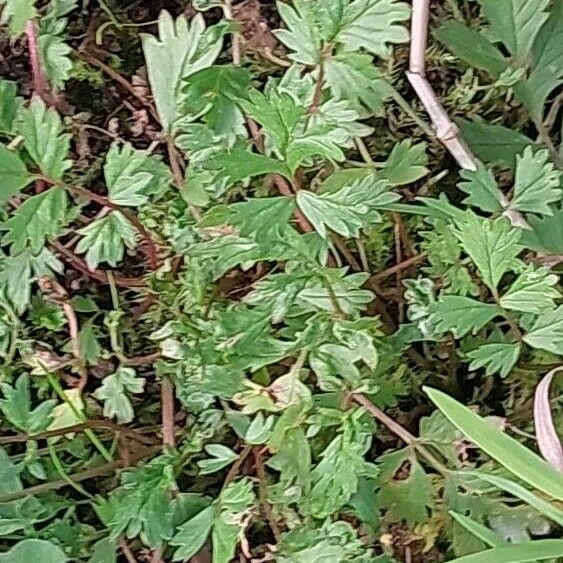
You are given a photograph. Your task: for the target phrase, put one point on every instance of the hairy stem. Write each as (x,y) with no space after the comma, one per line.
(40,85)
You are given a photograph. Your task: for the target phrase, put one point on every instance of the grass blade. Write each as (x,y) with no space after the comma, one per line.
(520,553)
(478,530)
(515,457)
(542,506)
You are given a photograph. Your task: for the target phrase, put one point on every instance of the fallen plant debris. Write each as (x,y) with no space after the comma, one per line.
(281,281)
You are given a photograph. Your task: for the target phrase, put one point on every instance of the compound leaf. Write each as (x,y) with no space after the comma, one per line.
(461,314)
(17,13)
(406,490)
(13,174)
(354,78)
(406,163)
(114,394)
(482,189)
(191,535)
(347,210)
(44,140)
(492,245)
(373,25)
(105,239)
(133,175)
(181,49)
(537,183)
(40,217)
(16,407)
(547,332)
(498,358)
(532,292)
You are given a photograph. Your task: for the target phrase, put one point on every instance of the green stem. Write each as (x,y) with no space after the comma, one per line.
(13,333)
(80,416)
(63,474)
(406,107)
(113,291)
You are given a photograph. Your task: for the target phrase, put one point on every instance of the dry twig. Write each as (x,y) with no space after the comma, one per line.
(446,130)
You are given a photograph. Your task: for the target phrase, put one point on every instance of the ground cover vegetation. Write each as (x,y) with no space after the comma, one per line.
(251,307)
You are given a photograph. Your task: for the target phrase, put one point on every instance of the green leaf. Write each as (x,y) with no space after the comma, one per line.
(105,239)
(333,127)
(54,53)
(537,183)
(44,140)
(373,25)
(114,394)
(336,477)
(406,163)
(32,551)
(239,164)
(547,64)
(13,174)
(461,314)
(354,78)
(40,217)
(507,451)
(232,505)
(104,551)
(9,104)
(492,245)
(495,358)
(16,407)
(347,210)
(346,289)
(18,272)
(70,412)
(133,175)
(9,475)
(471,47)
(532,292)
(493,143)
(543,507)
(296,137)
(214,92)
(222,457)
(547,332)
(264,217)
(181,49)
(277,112)
(516,23)
(17,13)
(545,234)
(406,490)
(482,189)
(307,25)
(487,536)
(538,550)
(90,349)
(190,536)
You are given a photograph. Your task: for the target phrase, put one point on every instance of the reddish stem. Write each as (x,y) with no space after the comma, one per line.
(40,85)
(99,275)
(167,399)
(313,108)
